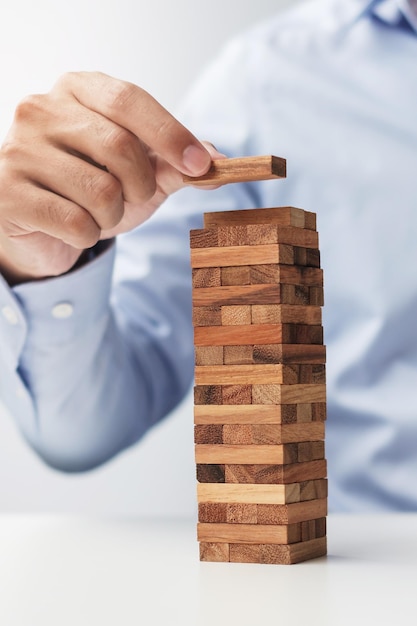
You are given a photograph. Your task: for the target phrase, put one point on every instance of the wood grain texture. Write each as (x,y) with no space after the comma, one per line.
(210,473)
(208,355)
(270,434)
(234,256)
(285,216)
(214,552)
(249,533)
(206,277)
(289,513)
(207,316)
(313,489)
(223,512)
(235,275)
(275,293)
(293,354)
(238,355)
(256,454)
(208,434)
(244,414)
(257,474)
(309,257)
(274,554)
(261,334)
(236,315)
(236,394)
(248,494)
(240,169)
(288,394)
(250,374)
(203,238)
(285,314)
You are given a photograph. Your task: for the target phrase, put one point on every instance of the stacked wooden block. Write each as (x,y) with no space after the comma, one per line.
(260,395)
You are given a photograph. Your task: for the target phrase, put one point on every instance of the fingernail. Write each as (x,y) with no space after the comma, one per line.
(196,160)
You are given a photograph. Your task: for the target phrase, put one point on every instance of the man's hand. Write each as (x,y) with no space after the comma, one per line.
(93,158)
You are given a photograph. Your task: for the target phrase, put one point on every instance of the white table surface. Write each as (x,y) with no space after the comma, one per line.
(72,571)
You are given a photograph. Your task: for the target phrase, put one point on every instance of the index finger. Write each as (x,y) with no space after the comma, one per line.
(136,110)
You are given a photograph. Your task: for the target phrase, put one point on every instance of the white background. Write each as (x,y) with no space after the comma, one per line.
(161,45)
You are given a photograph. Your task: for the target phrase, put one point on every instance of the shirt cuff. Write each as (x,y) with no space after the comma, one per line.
(57,309)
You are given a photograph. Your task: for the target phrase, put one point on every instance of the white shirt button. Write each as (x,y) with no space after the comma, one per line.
(62,310)
(10,315)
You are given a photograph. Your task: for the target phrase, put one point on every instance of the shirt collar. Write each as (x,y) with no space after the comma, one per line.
(391,12)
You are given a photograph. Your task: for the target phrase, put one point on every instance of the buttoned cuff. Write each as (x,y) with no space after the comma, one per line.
(57,309)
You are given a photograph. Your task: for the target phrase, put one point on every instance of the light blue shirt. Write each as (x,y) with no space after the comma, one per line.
(91,360)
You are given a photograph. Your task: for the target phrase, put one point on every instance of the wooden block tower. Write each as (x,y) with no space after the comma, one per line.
(260,394)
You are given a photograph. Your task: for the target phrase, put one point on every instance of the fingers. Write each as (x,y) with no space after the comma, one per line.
(45,212)
(137,111)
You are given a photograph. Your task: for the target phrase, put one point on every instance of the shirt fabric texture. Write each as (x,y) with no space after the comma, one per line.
(332,87)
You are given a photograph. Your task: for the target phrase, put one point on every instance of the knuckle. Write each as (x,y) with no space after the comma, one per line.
(106,189)
(81,229)
(121,96)
(66,79)
(120,142)
(29,107)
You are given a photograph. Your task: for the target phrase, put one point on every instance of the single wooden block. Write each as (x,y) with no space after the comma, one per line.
(247,374)
(207,394)
(203,238)
(206,277)
(242,294)
(241,513)
(222,513)
(244,414)
(236,315)
(260,334)
(287,513)
(249,533)
(313,489)
(236,394)
(246,454)
(284,216)
(248,493)
(285,314)
(208,434)
(215,512)
(235,275)
(210,473)
(288,394)
(214,552)
(237,235)
(240,169)
(231,256)
(207,316)
(274,554)
(238,355)
(257,474)
(275,293)
(310,451)
(288,274)
(273,434)
(208,355)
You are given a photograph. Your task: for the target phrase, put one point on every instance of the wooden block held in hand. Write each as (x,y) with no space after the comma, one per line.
(241,169)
